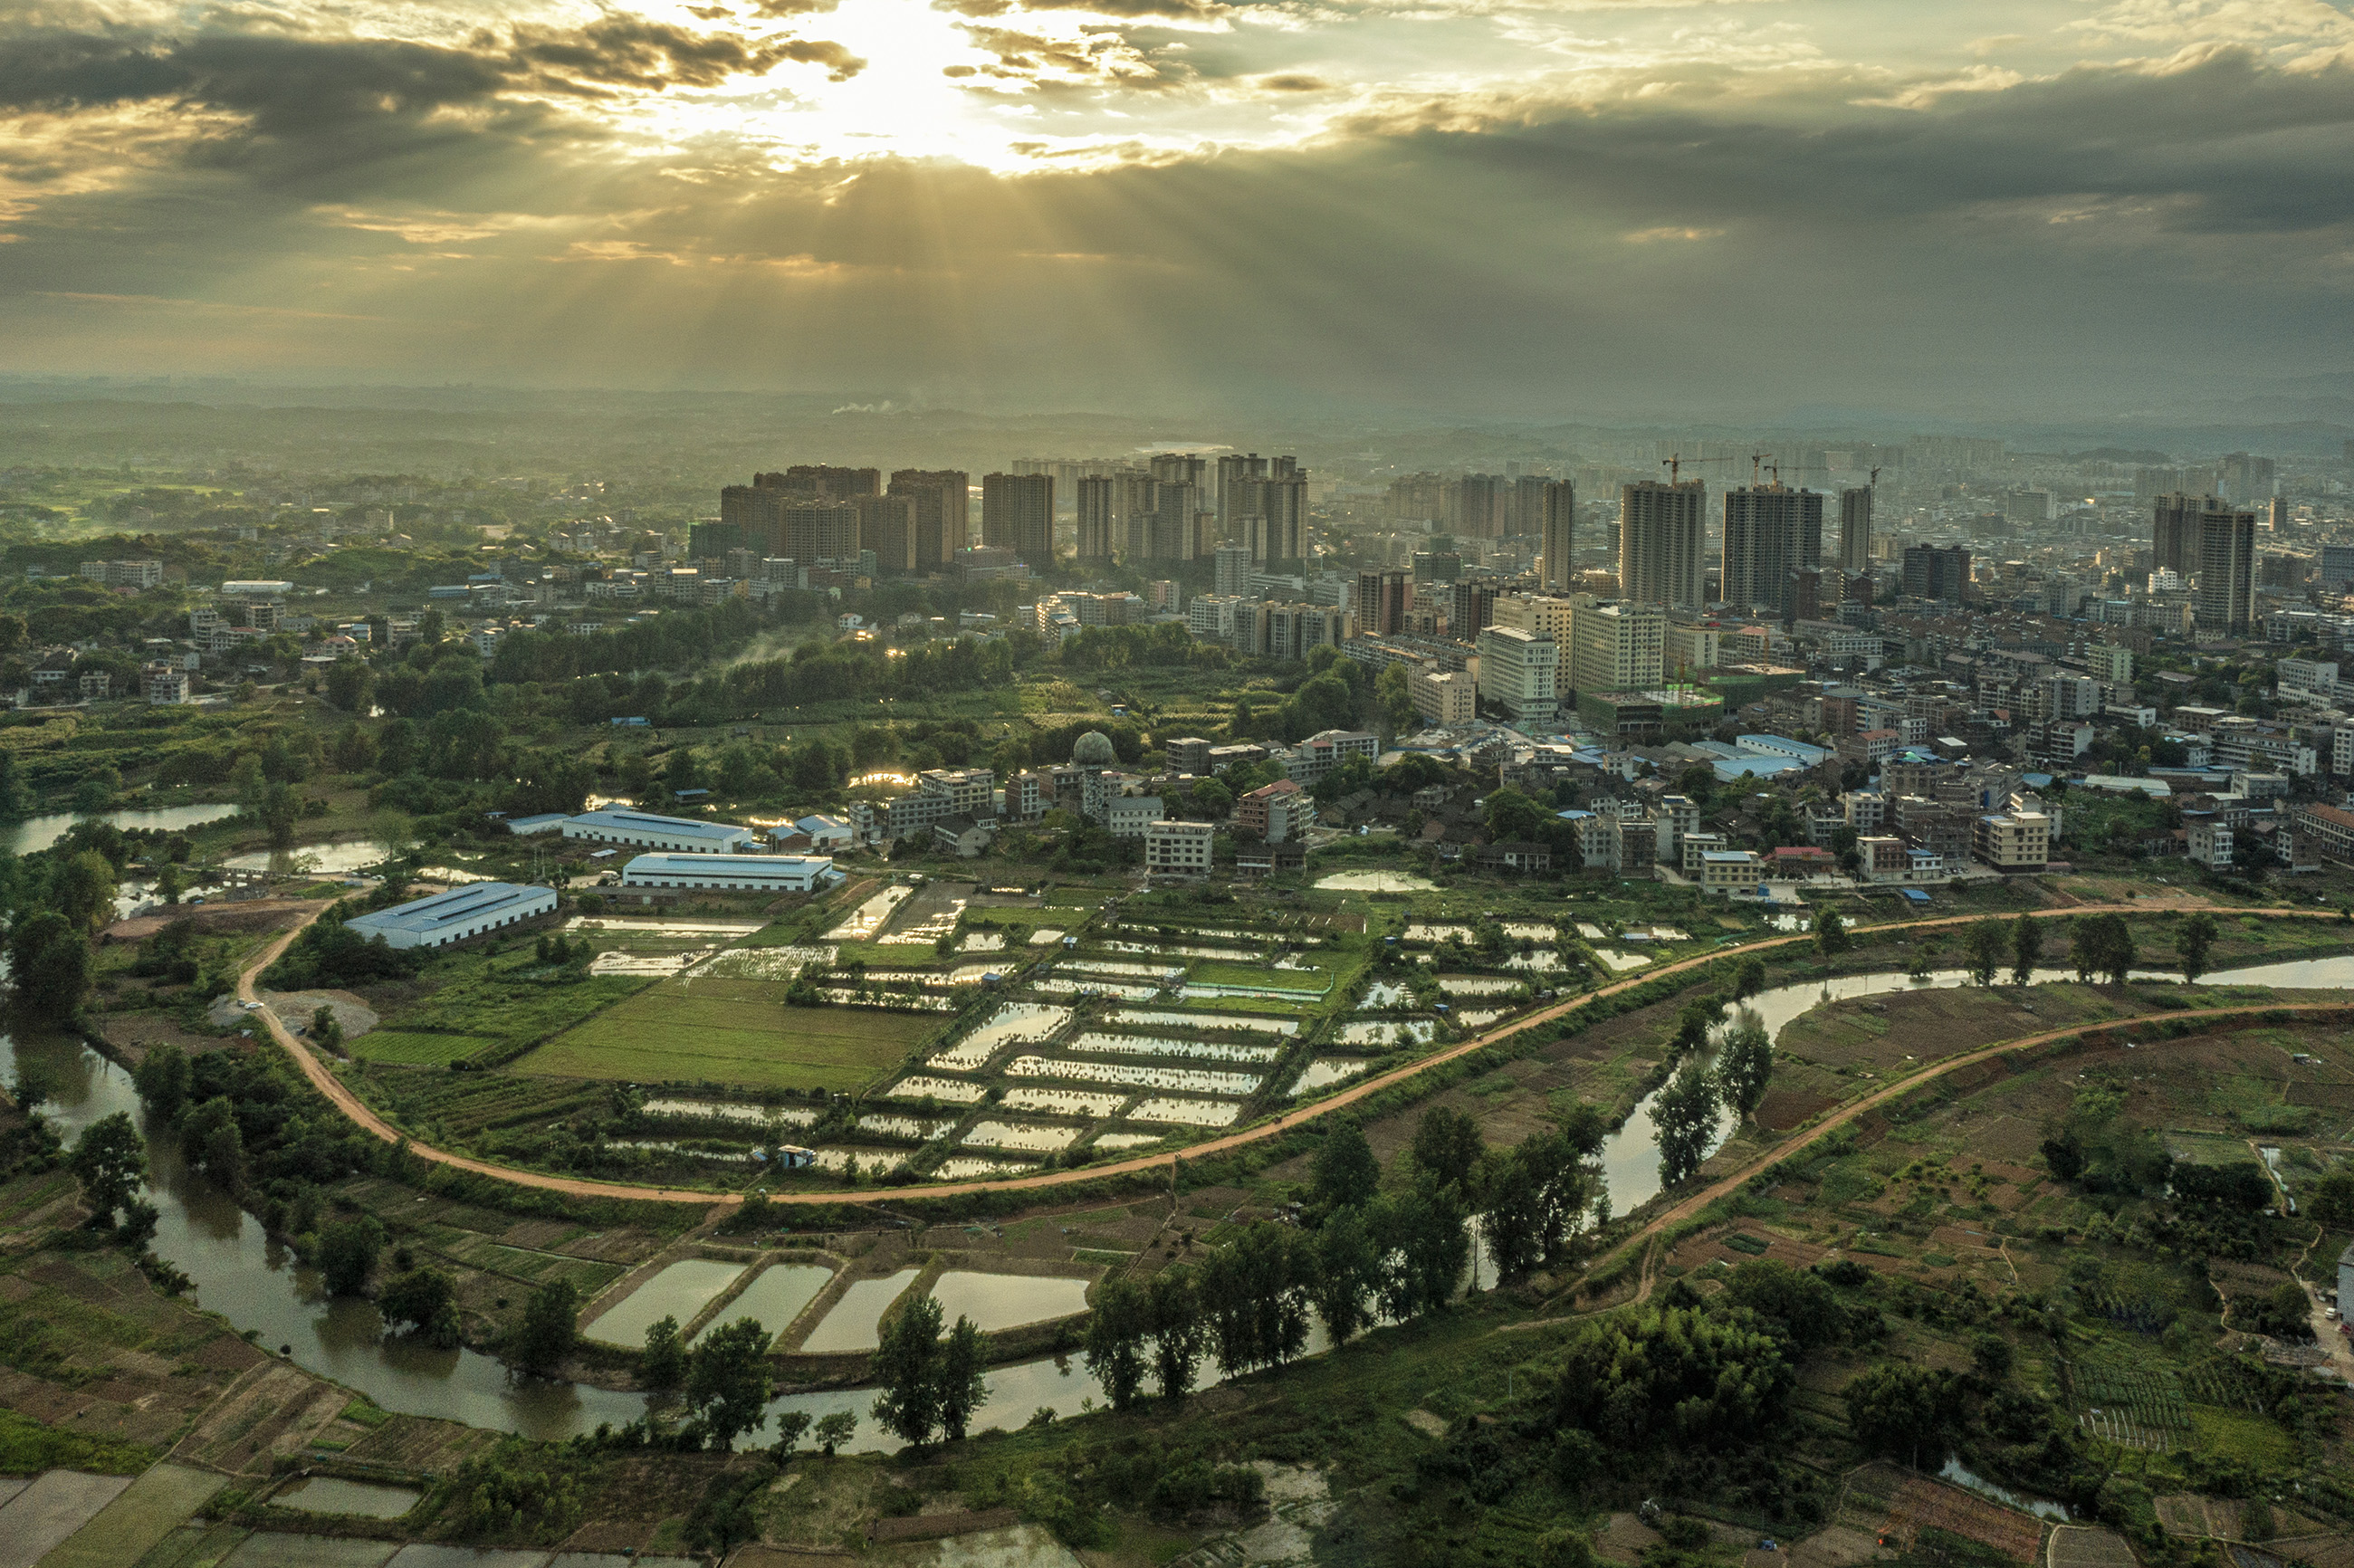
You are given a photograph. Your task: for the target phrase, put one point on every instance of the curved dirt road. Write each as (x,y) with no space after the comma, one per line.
(342,1097)
(1726,1185)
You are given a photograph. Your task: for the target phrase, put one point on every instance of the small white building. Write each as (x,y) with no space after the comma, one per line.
(1133,816)
(1178,851)
(729,873)
(644,830)
(454,916)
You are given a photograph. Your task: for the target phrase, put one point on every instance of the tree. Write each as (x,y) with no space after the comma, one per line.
(793,1425)
(1987,945)
(1671,1375)
(349,684)
(1346,1173)
(49,956)
(549,1329)
(84,890)
(163,1078)
(906,1363)
(2026,949)
(1898,1408)
(1692,1025)
(832,1431)
(1683,1117)
(1116,1330)
(959,1388)
(109,1161)
(1830,934)
(16,799)
(347,1254)
(1446,1143)
(1396,697)
(424,1301)
(664,1362)
(727,1383)
(2193,940)
(1421,1237)
(1177,1332)
(1348,1271)
(1749,979)
(325,1027)
(2331,1200)
(1743,1064)
(1534,1195)
(2102,944)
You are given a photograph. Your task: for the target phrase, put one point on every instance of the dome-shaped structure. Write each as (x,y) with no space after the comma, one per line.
(1094,750)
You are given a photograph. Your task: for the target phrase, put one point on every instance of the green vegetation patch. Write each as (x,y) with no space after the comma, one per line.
(418,1049)
(27,1447)
(731,1032)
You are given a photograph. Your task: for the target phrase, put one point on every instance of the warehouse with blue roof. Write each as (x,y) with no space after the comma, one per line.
(455,916)
(644,830)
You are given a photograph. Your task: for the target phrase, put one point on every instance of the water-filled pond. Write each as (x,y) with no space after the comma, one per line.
(35,834)
(1152,1045)
(1149,1019)
(1038,1138)
(679,1291)
(1382,1032)
(1187,1112)
(854,1322)
(358,855)
(949,1091)
(361,1499)
(1141,1075)
(1006,1300)
(1326,1070)
(1012,1020)
(776,1297)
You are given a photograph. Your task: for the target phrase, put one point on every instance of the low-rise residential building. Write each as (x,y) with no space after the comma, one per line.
(1444,697)
(453,917)
(2327,832)
(2014,841)
(163,684)
(1728,871)
(1130,816)
(1277,811)
(1516,854)
(729,873)
(2207,839)
(1178,851)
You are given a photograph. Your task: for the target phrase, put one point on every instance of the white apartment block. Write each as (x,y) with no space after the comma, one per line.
(1178,851)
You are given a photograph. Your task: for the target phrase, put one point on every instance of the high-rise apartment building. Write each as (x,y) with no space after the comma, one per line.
(1231,571)
(1476,505)
(1179,467)
(2173,532)
(1472,606)
(1017,514)
(1225,492)
(887,525)
(1173,530)
(1381,601)
(1516,673)
(818,530)
(1855,529)
(1099,517)
(1773,535)
(2225,599)
(1932,571)
(823,481)
(1270,515)
(943,513)
(1616,647)
(2246,480)
(1662,543)
(1556,573)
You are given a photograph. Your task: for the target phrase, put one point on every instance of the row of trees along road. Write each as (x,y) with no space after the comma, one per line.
(1365,1252)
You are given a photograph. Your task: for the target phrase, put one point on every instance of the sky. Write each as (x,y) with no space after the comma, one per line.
(1462,208)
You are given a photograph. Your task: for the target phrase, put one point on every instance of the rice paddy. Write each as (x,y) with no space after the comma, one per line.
(1152,1045)
(1195,1080)
(1188,1113)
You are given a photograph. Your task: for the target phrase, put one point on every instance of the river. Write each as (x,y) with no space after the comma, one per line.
(34,834)
(257,1284)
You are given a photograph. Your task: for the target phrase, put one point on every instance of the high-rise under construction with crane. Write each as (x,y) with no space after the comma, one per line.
(1663,543)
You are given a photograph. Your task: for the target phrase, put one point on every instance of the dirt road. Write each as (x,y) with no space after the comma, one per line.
(350,1104)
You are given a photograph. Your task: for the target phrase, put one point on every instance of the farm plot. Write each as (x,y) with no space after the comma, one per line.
(1377,1032)
(487,1014)
(1025,1022)
(948,1091)
(974,1167)
(1477,985)
(730,1032)
(1188,1113)
(1156,1045)
(1039,1137)
(887,1001)
(1909,1504)
(1237,954)
(1145,1018)
(1326,1070)
(2139,1407)
(1140,1074)
(724,1110)
(1063,1102)
(766,963)
(868,917)
(1088,985)
(1116,1141)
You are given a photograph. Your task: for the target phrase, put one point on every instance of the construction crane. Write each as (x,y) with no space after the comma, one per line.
(1676,462)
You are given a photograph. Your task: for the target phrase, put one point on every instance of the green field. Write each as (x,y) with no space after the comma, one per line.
(733,1031)
(419,1050)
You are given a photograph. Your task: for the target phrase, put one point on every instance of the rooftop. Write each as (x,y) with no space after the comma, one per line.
(431,914)
(647,821)
(731,864)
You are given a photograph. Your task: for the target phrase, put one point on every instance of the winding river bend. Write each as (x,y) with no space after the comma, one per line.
(257,1284)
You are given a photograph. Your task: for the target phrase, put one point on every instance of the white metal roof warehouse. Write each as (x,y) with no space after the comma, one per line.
(647,830)
(730,873)
(454,916)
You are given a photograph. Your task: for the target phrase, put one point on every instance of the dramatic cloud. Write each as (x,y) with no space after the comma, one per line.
(1479,204)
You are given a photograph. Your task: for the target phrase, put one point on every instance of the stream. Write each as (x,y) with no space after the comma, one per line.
(256,1284)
